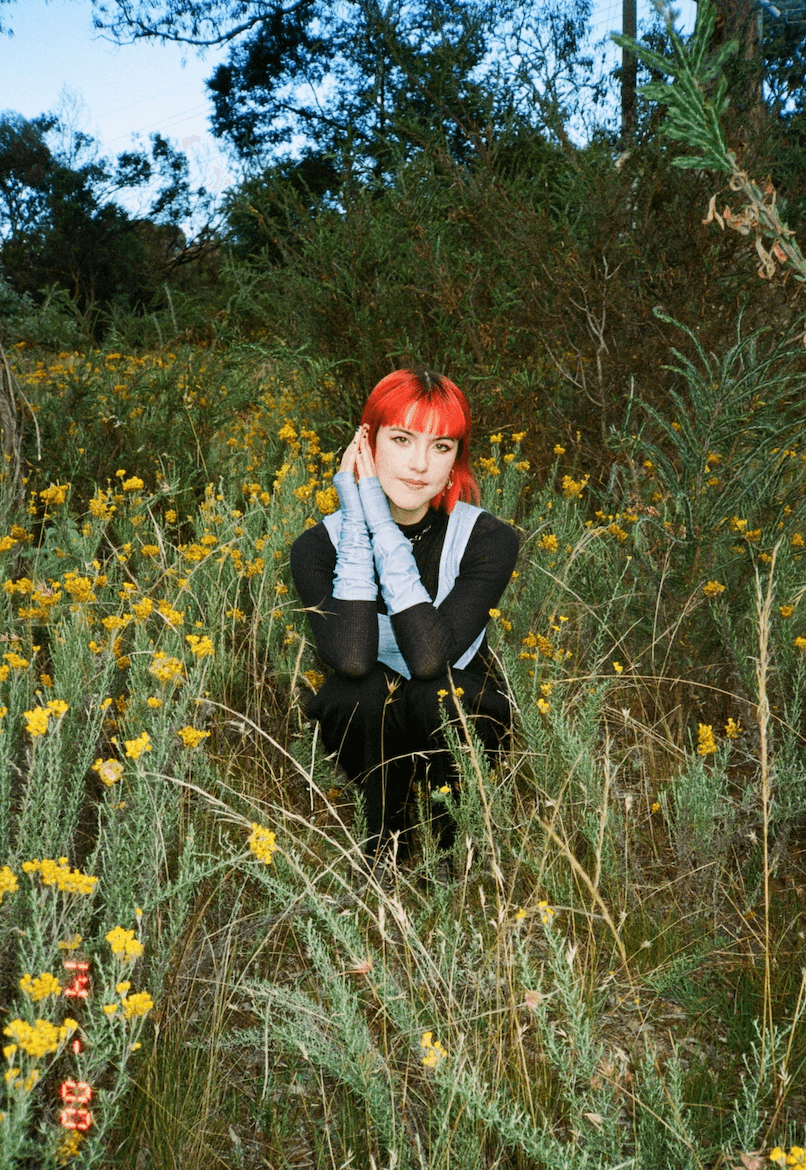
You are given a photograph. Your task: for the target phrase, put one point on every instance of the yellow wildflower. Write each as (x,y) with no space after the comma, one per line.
(713,588)
(166,669)
(58,873)
(136,747)
(263,843)
(174,617)
(548,541)
(70,944)
(8,881)
(733,729)
(573,488)
(40,1038)
(110,771)
(139,1004)
(37,721)
(434,1052)
(327,501)
(124,945)
(786,611)
(40,988)
(55,494)
(191,736)
(201,647)
(135,484)
(706,745)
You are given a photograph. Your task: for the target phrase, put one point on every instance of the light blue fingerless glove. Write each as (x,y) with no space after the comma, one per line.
(401,586)
(355,567)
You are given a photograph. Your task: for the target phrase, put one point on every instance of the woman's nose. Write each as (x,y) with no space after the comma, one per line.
(418,458)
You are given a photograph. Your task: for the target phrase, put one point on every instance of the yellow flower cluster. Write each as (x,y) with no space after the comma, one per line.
(40,987)
(79,587)
(796,1157)
(200,647)
(490,465)
(69,1146)
(263,843)
(327,500)
(713,588)
(139,1004)
(191,736)
(14,660)
(573,488)
(174,617)
(434,1052)
(8,882)
(545,911)
(166,669)
(58,873)
(136,747)
(548,541)
(110,771)
(36,721)
(706,745)
(40,1038)
(124,944)
(55,494)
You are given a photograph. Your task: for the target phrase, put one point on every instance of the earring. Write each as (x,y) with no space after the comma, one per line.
(449,484)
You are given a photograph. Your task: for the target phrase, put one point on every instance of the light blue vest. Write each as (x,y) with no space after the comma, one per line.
(460,525)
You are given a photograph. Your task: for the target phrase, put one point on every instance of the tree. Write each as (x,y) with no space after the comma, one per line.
(371,82)
(61,223)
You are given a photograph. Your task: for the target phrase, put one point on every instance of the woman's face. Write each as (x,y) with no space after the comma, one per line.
(413,467)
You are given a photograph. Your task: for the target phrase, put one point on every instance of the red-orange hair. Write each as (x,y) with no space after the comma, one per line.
(421,400)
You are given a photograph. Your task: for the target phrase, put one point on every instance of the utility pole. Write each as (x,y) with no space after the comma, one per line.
(629,74)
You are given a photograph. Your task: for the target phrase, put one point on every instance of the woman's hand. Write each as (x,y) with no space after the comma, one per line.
(358,456)
(349,457)
(364,463)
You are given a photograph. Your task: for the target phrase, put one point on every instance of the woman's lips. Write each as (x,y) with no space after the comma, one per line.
(415,483)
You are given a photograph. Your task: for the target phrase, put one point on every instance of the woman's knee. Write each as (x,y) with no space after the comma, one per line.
(343,700)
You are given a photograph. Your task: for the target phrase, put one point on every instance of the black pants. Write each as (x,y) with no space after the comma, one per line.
(387,732)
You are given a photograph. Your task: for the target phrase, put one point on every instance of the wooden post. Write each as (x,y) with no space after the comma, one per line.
(629,74)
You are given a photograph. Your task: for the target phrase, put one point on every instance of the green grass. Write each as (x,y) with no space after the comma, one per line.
(613,975)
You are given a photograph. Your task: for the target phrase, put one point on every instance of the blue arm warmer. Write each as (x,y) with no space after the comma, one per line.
(401,586)
(354,579)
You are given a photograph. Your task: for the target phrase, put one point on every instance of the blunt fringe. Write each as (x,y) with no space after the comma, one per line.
(422,400)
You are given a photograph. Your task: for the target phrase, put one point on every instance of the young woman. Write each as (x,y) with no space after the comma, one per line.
(398,586)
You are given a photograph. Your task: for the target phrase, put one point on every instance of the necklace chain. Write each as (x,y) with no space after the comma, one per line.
(420,535)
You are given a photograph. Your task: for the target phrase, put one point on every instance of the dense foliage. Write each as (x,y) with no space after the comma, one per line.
(612,974)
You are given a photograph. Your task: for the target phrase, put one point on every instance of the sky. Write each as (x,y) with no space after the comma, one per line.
(123,93)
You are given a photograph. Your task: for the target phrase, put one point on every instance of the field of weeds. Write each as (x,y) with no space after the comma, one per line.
(192,977)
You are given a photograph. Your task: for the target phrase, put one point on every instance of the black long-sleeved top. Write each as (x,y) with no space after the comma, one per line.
(430,638)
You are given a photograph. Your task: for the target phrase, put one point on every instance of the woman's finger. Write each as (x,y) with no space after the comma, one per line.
(365,464)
